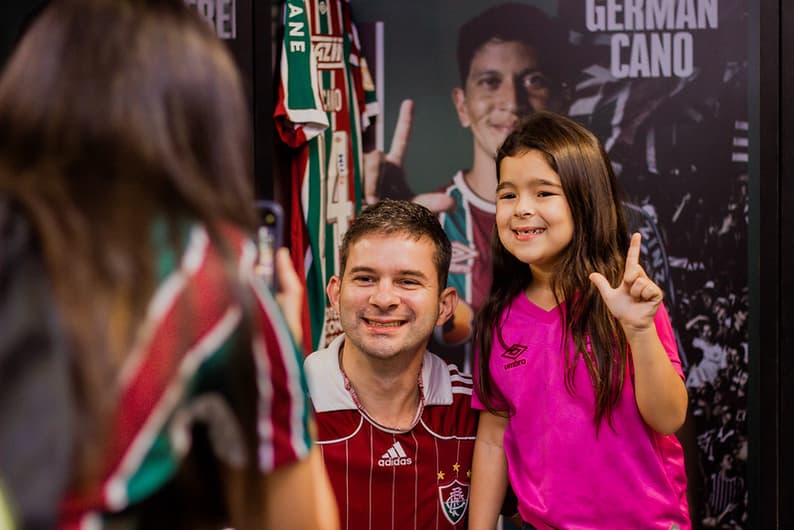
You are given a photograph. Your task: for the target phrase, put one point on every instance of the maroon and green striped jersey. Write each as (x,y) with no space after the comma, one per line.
(325,100)
(186,368)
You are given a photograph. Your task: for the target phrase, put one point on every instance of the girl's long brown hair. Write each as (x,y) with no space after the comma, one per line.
(600,242)
(116,115)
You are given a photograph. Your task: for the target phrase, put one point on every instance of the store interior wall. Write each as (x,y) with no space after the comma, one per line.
(771,249)
(771,260)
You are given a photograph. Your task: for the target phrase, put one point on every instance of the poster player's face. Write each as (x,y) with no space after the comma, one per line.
(504,83)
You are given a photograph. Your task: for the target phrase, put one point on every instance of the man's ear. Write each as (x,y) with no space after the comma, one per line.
(459,99)
(332,290)
(447,303)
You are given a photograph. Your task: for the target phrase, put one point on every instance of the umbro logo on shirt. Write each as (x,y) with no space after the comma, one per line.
(395,456)
(513,353)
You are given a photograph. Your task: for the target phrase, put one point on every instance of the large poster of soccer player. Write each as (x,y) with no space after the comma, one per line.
(663,83)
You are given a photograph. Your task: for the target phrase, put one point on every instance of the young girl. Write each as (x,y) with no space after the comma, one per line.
(580,382)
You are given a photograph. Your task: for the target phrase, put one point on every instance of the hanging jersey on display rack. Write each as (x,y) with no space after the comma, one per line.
(325,99)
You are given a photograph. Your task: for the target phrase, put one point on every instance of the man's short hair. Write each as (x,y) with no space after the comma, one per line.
(522,23)
(390,217)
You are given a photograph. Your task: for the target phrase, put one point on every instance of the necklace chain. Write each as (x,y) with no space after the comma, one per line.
(360,407)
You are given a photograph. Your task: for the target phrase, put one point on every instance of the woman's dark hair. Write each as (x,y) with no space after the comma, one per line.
(599,244)
(116,116)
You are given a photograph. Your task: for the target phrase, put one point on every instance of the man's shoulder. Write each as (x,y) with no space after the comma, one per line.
(336,414)
(341,426)
(319,360)
(448,399)
(324,377)
(443,380)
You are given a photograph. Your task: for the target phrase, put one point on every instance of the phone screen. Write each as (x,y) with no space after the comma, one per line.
(268,238)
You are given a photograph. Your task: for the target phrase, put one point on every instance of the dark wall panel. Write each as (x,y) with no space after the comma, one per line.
(786,244)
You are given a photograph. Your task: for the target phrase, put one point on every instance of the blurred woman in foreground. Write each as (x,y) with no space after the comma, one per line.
(124,146)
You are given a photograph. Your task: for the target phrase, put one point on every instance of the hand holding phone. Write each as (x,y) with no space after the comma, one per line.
(290,295)
(269,240)
(275,266)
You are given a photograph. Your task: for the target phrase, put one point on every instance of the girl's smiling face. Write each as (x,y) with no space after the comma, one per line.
(533,218)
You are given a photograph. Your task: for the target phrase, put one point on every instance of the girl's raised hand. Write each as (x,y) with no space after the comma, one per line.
(634,302)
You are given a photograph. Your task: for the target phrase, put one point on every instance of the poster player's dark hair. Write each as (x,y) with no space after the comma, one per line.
(522,23)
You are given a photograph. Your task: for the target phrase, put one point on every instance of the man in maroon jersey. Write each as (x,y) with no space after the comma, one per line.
(394,421)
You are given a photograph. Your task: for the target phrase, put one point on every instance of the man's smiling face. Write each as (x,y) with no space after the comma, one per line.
(389,298)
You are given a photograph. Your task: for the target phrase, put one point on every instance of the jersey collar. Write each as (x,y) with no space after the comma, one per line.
(327,387)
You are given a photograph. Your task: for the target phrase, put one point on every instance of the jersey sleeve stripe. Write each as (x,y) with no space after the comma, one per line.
(288,403)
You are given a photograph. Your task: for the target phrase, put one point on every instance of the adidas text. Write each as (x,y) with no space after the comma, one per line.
(387,462)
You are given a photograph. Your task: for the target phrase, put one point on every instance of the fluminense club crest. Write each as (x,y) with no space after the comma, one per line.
(454,498)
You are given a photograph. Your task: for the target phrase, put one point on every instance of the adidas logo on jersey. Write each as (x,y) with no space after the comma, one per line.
(395,456)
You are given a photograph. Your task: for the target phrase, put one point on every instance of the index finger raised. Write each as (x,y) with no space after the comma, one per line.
(633,256)
(402,133)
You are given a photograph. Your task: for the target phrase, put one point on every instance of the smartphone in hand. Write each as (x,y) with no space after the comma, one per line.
(269,235)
